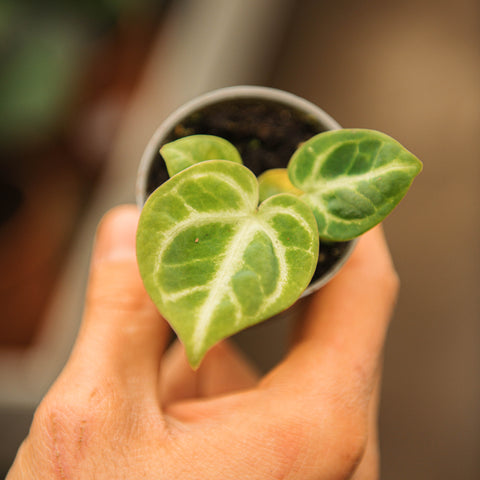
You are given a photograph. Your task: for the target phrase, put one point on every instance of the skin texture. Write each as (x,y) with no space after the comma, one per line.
(124,408)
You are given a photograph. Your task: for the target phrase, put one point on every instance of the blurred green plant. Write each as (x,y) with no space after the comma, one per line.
(44,48)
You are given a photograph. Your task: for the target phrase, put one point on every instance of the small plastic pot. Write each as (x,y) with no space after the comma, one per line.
(266,125)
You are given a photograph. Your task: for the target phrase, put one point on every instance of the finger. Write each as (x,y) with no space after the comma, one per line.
(223,370)
(346,321)
(122,335)
(314,407)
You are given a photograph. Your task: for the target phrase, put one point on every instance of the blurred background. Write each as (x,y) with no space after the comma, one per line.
(83,85)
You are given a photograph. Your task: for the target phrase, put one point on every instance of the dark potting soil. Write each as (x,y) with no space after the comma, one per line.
(265,133)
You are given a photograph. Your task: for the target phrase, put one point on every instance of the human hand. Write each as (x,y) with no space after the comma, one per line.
(122,408)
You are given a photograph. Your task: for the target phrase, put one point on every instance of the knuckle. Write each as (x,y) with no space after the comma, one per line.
(280,442)
(345,446)
(68,417)
(330,444)
(70,427)
(65,418)
(60,430)
(349,427)
(333,438)
(350,447)
(74,427)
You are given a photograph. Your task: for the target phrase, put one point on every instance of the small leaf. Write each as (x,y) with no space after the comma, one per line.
(188,151)
(213,262)
(274,181)
(352,179)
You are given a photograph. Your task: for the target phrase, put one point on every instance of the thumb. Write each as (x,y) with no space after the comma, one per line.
(122,332)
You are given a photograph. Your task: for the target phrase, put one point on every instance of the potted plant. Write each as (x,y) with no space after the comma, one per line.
(222,246)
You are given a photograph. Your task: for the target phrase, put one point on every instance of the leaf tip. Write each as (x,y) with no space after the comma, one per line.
(194,357)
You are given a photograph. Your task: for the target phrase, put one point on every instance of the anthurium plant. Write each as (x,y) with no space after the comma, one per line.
(220,250)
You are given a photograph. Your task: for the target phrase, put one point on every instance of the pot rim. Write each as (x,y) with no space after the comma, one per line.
(209,98)
(231,93)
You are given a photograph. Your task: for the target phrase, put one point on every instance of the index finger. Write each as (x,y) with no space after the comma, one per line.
(310,414)
(343,332)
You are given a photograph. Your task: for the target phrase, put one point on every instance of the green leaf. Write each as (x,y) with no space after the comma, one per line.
(352,179)
(187,151)
(213,262)
(275,181)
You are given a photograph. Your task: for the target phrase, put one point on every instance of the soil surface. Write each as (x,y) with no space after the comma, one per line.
(266,134)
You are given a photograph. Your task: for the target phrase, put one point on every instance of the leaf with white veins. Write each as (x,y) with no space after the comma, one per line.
(213,262)
(188,151)
(352,179)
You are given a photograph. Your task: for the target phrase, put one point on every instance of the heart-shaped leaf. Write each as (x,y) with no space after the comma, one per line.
(188,151)
(352,179)
(275,181)
(215,263)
